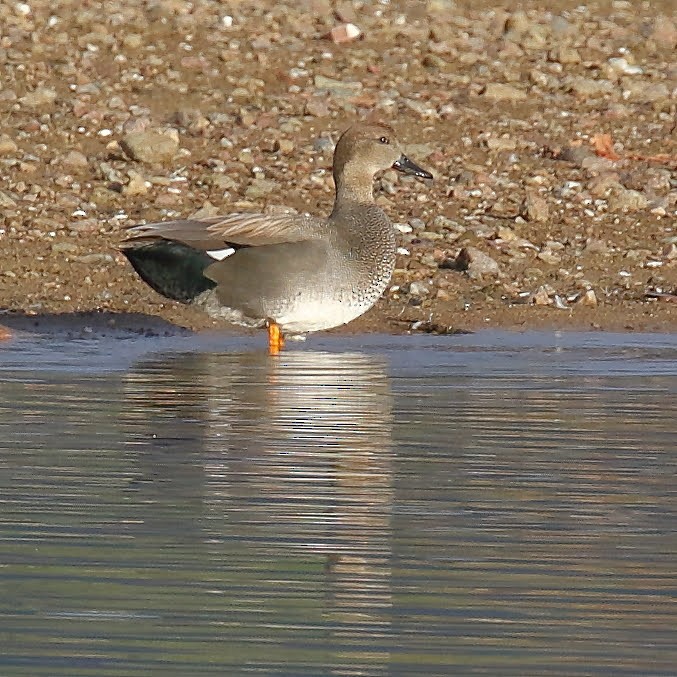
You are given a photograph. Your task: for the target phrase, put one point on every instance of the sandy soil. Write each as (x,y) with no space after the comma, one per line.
(551,134)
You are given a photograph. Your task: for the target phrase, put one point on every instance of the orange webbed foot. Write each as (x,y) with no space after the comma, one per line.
(275,338)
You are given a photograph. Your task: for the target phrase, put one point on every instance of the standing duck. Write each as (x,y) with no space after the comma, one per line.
(291,273)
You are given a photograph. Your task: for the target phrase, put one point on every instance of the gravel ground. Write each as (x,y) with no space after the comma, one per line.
(551,133)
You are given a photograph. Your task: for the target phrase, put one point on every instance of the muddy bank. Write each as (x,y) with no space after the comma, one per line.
(551,134)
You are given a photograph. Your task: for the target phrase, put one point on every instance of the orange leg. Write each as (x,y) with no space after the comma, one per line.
(275,338)
(5,334)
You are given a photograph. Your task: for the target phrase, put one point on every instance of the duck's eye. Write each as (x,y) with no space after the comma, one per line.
(384,139)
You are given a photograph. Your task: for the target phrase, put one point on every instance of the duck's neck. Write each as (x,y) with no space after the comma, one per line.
(354,185)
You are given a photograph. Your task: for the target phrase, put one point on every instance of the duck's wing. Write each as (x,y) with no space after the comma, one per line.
(250,230)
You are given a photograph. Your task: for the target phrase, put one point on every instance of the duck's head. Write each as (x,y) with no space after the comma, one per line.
(365,149)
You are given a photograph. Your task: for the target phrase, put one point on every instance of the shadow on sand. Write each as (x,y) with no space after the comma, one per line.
(86,324)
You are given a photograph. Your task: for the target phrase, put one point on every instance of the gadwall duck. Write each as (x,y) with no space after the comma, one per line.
(292,273)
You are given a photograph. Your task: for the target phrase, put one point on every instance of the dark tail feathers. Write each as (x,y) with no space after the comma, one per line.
(171,268)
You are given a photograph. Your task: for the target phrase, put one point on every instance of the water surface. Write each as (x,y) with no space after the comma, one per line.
(497,504)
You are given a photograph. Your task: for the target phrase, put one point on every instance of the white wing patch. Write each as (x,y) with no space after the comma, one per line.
(220,254)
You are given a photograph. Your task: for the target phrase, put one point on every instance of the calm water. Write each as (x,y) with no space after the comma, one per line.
(496,504)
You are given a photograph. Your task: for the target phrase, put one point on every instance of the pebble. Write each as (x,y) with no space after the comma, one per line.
(418,289)
(284,146)
(323,144)
(337,87)
(6,200)
(497,91)
(42,96)
(541,297)
(344,33)
(74,159)
(621,65)
(150,146)
(646,92)
(317,108)
(589,298)
(565,55)
(549,257)
(587,88)
(476,263)
(260,188)
(625,200)
(64,248)
(535,207)
(670,251)
(94,258)
(501,143)
(665,32)
(7,145)
(137,185)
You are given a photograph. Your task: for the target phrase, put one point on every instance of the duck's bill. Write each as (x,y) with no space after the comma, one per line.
(406,166)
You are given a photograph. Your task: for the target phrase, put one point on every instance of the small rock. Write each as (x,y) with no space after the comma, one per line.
(476,263)
(588,299)
(501,143)
(74,159)
(284,146)
(645,92)
(549,257)
(434,62)
(440,6)
(665,32)
(136,186)
(603,185)
(316,107)
(344,11)
(337,87)
(64,248)
(418,289)
(323,144)
(84,226)
(541,297)
(430,235)
(517,23)
(136,124)
(260,188)
(42,96)
(222,182)
(192,120)
(587,88)
(197,63)
(421,109)
(625,200)
(621,66)
(94,258)
(565,55)
(536,38)
(593,246)
(7,145)
(497,91)
(576,154)
(535,207)
(344,33)
(670,251)
(132,41)
(150,146)
(6,200)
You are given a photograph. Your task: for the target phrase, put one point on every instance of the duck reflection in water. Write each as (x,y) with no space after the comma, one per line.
(291,459)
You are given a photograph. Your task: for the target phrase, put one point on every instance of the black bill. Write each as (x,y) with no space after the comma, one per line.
(406,166)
